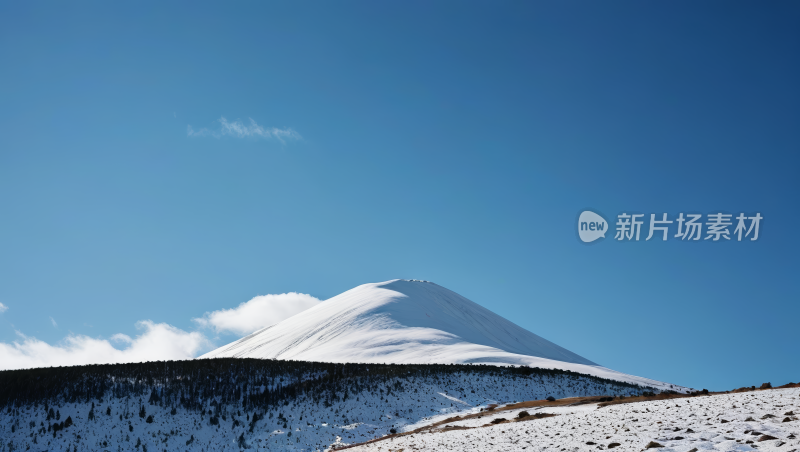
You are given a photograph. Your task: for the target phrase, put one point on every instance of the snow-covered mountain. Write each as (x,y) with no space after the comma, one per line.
(410,321)
(304,398)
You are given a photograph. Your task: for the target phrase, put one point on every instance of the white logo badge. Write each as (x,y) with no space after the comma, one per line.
(591,226)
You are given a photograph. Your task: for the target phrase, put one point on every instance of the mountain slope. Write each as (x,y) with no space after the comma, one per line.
(729,422)
(409,321)
(227,404)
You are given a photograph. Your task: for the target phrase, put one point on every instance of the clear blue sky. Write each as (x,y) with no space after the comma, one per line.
(449,141)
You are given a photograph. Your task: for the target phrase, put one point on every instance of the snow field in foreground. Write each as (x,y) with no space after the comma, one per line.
(632,426)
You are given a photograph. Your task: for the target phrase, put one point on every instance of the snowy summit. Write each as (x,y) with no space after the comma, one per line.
(410,322)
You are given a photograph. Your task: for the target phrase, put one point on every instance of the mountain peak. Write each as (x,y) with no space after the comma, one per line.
(408,321)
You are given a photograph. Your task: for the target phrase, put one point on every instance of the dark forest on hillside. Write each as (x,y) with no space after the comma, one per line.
(253,383)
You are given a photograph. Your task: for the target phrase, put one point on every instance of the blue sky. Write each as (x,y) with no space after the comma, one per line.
(449,141)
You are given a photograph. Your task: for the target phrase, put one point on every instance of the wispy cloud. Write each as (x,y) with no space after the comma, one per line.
(158,342)
(3,308)
(53,321)
(239,129)
(260,312)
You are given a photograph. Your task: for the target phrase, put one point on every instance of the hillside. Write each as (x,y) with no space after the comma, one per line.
(224,404)
(755,420)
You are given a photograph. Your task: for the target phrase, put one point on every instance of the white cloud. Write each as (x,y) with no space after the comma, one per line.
(158,342)
(3,308)
(239,129)
(260,312)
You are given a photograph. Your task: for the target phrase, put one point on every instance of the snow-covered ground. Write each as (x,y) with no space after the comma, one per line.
(727,422)
(410,321)
(363,409)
